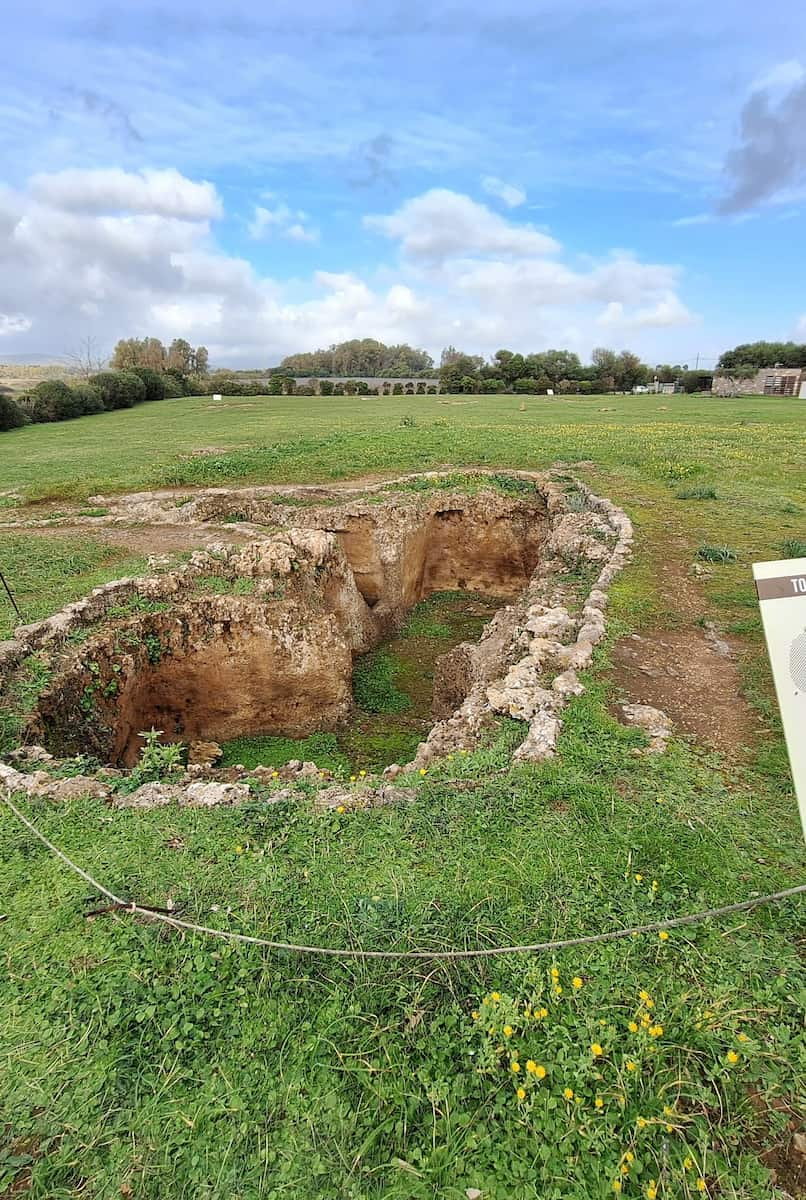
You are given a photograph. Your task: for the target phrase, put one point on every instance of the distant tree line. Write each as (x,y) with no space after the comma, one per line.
(764,354)
(179,358)
(560,371)
(361,356)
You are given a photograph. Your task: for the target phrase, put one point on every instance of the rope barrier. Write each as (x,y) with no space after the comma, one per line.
(132,908)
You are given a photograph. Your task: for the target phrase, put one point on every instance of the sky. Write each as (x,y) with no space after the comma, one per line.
(266,179)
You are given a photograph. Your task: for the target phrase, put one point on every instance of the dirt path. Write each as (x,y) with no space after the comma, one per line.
(147,539)
(684,667)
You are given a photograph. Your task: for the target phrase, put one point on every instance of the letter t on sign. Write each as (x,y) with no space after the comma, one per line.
(781,588)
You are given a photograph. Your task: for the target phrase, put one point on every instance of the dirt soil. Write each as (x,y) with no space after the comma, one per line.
(679,672)
(787,1159)
(682,669)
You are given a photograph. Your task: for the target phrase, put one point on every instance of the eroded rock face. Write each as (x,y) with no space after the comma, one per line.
(261,637)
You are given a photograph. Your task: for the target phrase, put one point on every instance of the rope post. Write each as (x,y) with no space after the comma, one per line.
(10,595)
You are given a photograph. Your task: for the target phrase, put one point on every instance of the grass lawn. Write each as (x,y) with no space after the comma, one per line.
(135,1062)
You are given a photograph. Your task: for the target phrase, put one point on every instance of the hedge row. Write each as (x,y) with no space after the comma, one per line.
(55,400)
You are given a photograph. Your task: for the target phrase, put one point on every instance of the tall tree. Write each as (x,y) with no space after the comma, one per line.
(180,355)
(604,362)
(630,371)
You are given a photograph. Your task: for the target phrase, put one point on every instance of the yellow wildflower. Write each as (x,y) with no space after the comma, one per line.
(664,935)
(670,1128)
(555,974)
(625,1170)
(643,996)
(558,989)
(617,1186)
(507,1031)
(515,1066)
(544,1012)
(732,1057)
(701,1184)
(654,885)
(642,1122)
(423,771)
(656,1031)
(596,1050)
(361,774)
(630,1065)
(629,1156)
(638,878)
(521,1093)
(576,981)
(742,1037)
(568,1093)
(340,808)
(633,1027)
(495,997)
(649,1002)
(688,1164)
(599,1102)
(651,1190)
(668,1112)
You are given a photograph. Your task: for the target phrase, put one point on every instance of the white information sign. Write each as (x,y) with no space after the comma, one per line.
(781,588)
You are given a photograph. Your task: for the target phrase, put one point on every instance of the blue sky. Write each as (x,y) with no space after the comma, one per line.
(268,180)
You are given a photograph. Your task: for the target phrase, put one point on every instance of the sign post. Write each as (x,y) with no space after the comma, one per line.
(781,588)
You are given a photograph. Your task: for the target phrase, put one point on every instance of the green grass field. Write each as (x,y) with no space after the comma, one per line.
(135,1062)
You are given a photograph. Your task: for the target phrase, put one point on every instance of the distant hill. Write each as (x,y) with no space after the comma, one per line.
(17,376)
(32,360)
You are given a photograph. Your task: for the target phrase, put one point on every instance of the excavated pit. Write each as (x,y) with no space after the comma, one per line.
(262,638)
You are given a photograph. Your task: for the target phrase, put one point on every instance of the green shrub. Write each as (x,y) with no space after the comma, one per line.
(12,416)
(171,388)
(89,398)
(53,400)
(119,389)
(158,761)
(153,381)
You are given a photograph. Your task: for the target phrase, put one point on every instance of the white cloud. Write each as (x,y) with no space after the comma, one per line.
(697,219)
(283,221)
(511,195)
(13,323)
(480,281)
(800,327)
(782,75)
(441,224)
(667,311)
(164,193)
